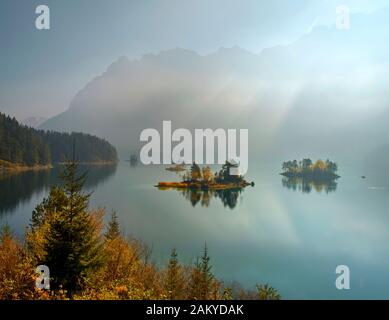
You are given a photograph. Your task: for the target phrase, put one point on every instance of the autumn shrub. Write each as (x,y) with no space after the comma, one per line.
(17,276)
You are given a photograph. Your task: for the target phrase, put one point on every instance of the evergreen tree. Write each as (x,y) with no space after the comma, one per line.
(206,274)
(265,292)
(113,230)
(201,279)
(174,282)
(71,242)
(56,201)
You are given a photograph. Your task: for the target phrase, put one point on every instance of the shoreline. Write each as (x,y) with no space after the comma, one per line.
(9,167)
(92,163)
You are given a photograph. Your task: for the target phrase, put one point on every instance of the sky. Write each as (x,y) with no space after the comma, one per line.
(42,70)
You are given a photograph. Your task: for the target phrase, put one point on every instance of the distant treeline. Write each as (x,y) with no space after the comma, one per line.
(27,146)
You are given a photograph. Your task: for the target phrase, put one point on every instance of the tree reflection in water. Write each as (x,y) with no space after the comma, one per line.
(305,185)
(229,197)
(18,188)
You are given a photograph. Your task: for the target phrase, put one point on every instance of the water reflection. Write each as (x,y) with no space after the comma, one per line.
(133,160)
(18,188)
(228,197)
(306,185)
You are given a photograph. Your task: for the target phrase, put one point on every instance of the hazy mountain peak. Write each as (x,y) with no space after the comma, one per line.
(34,122)
(234,50)
(178,51)
(118,65)
(289,96)
(172,58)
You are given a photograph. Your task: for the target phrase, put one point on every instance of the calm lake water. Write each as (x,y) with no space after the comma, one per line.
(287,235)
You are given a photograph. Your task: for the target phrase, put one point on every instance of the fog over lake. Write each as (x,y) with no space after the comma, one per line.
(272,234)
(301,87)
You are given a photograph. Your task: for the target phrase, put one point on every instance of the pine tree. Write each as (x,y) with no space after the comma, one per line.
(201,279)
(206,274)
(113,230)
(265,292)
(174,282)
(56,200)
(70,241)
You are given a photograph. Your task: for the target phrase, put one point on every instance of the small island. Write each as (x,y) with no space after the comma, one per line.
(177,168)
(205,179)
(307,169)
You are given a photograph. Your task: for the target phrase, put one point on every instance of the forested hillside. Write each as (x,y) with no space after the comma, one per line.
(20,144)
(23,145)
(88,148)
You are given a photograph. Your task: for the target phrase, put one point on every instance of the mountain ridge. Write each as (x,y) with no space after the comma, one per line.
(321,88)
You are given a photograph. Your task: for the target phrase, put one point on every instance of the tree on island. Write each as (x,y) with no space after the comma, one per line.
(308,168)
(224,175)
(205,176)
(331,166)
(305,164)
(290,165)
(208,175)
(319,165)
(195,172)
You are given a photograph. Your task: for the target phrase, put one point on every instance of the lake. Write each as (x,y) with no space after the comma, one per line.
(288,235)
